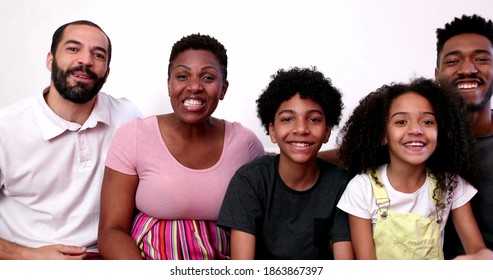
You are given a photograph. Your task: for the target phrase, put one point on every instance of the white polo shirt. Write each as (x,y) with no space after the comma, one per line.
(51,171)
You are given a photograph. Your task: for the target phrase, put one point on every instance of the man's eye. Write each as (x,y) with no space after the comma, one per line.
(100,56)
(452,62)
(483,59)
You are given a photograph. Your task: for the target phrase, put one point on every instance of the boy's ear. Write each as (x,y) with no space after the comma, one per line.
(272,133)
(327,134)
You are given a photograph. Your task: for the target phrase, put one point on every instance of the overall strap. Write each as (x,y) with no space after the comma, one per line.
(439,205)
(381,198)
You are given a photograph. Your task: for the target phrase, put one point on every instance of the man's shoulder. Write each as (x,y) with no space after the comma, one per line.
(111,100)
(16,108)
(117,105)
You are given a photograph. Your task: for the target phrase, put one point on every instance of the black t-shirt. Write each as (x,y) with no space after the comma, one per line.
(481,203)
(287,224)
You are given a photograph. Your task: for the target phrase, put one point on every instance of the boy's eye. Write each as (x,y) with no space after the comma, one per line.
(314,120)
(286,119)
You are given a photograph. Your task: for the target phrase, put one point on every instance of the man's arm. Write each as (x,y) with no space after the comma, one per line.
(12,251)
(331,156)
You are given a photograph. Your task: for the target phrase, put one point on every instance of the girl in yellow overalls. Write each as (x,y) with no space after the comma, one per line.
(412,154)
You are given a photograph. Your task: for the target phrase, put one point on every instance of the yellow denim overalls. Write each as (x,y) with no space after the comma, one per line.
(405,236)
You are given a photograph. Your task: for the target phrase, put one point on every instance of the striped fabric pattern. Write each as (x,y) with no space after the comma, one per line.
(179,239)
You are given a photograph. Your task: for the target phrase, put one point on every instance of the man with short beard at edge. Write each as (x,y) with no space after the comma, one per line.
(464,63)
(52,151)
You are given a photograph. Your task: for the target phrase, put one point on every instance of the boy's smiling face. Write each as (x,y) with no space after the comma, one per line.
(299,129)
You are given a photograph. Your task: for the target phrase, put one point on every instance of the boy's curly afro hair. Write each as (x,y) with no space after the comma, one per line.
(308,83)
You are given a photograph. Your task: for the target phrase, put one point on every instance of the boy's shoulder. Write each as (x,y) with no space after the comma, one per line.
(329,170)
(263,162)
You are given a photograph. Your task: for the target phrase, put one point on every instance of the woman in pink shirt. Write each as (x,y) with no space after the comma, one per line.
(166,175)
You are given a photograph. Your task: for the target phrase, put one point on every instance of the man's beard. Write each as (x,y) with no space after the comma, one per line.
(471,107)
(80,93)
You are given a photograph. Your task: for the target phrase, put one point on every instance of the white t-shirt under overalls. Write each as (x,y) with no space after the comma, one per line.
(359,200)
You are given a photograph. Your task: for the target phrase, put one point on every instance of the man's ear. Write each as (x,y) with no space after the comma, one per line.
(107,74)
(49,61)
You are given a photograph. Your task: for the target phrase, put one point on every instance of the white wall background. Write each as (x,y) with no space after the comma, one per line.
(359,44)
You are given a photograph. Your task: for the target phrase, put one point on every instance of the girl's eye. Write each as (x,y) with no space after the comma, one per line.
(428,122)
(400,122)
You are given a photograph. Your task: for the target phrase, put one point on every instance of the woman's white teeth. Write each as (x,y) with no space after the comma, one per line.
(192,102)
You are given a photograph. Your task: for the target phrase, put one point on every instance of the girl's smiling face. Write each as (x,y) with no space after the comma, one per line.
(412,131)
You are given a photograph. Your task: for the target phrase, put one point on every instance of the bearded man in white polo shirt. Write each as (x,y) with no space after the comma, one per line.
(52,151)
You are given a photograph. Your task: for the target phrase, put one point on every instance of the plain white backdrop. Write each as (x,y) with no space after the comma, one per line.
(359,44)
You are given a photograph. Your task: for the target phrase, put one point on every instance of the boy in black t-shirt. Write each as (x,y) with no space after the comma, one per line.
(284,206)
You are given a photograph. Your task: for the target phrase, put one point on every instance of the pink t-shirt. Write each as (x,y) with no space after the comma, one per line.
(167,189)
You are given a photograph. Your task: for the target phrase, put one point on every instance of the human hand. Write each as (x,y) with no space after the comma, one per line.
(483,254)
(58,252)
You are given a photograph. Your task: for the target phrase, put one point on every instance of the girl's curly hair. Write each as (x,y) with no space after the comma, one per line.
(361,148)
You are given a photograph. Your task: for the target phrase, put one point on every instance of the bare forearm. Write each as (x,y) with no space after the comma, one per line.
(116,244)
(242,245)
(12,251)
(343,250)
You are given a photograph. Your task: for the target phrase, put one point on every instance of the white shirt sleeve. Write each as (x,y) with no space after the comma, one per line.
(463,193)
(358,198)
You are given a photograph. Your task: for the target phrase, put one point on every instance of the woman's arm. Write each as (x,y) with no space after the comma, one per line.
(362,238)
(117,211)
(242,245)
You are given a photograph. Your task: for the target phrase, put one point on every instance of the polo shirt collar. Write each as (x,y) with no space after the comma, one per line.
(51,125)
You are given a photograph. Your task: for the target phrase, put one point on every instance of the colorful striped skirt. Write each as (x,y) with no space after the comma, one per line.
(180,239)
